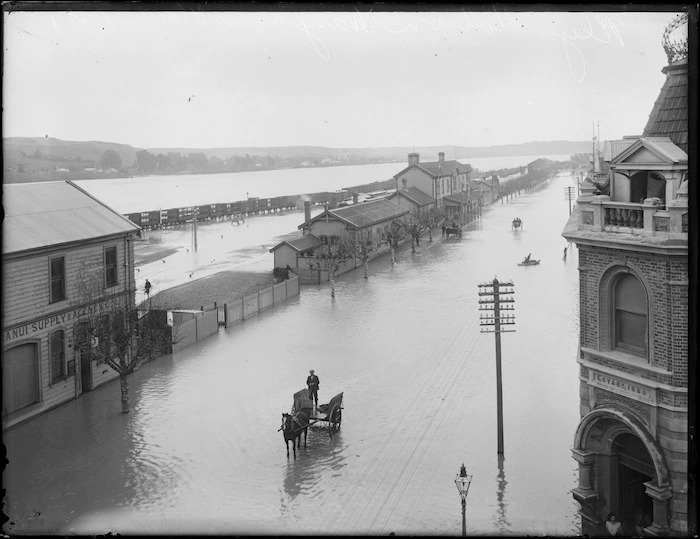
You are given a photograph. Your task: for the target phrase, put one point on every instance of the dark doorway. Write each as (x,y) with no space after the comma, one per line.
(635,468)
(85,372)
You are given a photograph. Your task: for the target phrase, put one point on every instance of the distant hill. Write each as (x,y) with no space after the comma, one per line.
(28,159)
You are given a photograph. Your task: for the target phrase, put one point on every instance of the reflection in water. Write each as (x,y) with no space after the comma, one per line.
(501,521)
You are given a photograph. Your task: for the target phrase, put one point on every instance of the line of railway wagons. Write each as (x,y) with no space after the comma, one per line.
(206,212)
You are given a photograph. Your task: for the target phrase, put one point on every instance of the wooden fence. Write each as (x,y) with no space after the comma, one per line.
(191,326)
(242,308)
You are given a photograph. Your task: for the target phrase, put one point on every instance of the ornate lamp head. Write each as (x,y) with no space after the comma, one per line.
(675,38)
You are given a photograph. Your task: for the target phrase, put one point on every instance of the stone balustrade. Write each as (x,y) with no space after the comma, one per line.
(599,212)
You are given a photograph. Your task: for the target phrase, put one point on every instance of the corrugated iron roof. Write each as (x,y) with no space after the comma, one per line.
(304,243)
(43,214)
(662,146)
(366,214)
(613,148)
(415,195)
(669,115)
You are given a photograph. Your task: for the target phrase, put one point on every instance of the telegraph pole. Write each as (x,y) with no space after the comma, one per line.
(493,302)
(194,230)
(569,195)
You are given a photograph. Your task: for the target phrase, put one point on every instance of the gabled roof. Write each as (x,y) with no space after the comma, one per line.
(669,116)
(435,169)
(455,199)
(659,150)
(304,243)
(362,215)
(44,214)
(415,195)
(613,148)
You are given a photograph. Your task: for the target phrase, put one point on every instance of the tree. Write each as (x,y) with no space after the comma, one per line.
(363,246)
(112,332)
(415,227)
(431,220)
(110,159)
(145,161)
(392,235)
(330,255)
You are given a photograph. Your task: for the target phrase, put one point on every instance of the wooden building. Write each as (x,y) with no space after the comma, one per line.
(437,179)
(371,219)
(632,441)
(55,237)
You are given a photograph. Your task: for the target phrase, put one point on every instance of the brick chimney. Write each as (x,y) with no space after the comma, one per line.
(307,211)
(413,157)
(441,157)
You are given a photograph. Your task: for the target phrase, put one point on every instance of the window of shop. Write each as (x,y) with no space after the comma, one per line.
(58,278)
(110,266)
(58,355)
(630,317)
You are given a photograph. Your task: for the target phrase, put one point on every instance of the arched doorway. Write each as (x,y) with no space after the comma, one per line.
(634,468)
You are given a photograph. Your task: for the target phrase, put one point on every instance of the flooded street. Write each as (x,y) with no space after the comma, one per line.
(201,452)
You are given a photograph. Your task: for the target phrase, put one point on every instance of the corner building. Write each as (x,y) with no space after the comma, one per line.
(631,230)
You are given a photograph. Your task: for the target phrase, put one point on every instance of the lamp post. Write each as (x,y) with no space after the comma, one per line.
(463,481)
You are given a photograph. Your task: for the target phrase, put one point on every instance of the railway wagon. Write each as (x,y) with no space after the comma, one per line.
(170,216)
(222,209)
(204,212)
(252,204)
(134,218)
(237,207)
(185,214)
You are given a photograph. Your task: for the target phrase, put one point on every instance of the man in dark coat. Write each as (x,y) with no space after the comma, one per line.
(313,382)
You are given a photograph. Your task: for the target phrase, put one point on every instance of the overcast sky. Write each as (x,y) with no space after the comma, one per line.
(350,79)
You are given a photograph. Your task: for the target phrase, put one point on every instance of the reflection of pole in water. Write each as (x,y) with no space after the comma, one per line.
(502,523)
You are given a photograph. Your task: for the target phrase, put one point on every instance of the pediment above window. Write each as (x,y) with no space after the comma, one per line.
(652,152)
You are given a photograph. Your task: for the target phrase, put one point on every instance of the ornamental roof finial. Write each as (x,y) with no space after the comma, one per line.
(675,43)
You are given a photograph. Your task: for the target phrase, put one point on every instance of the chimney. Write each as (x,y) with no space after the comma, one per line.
(355,197)
(441,157)
(307,211)
(413,157)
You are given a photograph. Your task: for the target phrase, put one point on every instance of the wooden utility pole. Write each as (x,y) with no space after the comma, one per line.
(493,302)
(194,230)
(569,195)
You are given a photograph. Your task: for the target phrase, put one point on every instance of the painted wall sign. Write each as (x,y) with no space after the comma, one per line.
(623,387)
(60,319)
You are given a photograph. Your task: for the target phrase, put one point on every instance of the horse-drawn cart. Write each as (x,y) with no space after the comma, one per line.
(455,230)
(304,415)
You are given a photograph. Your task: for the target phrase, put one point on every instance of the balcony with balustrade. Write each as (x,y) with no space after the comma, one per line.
(629,221)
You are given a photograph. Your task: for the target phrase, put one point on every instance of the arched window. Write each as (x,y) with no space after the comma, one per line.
(630,316)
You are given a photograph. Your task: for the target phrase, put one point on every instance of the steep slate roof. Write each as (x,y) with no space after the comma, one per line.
(416,196)
(437,169)
(44,214)
(364,214)
(669,116)
(309,241)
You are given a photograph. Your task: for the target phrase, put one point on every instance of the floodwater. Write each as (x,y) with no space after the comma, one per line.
(148,193)
(200,452)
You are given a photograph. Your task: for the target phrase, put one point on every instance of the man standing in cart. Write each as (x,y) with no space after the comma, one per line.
(313,382)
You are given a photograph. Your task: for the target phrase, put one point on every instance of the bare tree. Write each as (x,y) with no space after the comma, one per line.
(330,255)
(392,235)
(431,220)
(415,227)
(363,247)
(113,333)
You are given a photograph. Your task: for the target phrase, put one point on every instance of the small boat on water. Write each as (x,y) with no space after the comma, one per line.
(529,262)
(517,223)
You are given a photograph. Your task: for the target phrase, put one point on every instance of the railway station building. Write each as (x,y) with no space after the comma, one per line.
(631,230)
(55,237)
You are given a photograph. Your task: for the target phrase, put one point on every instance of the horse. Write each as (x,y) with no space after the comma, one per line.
(292,427)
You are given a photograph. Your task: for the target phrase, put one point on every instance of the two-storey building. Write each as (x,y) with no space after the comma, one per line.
(631,231)
(54,234)
(438,179)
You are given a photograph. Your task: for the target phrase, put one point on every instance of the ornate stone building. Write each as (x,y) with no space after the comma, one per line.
(631,230)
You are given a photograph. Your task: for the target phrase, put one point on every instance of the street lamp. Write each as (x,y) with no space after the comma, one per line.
(463,481)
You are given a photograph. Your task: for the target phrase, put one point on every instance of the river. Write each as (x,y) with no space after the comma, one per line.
(146,193)
(200,452)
